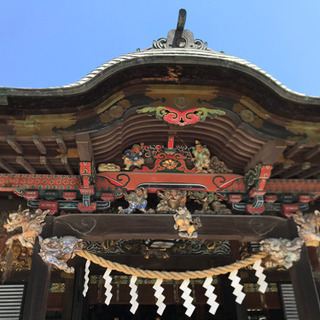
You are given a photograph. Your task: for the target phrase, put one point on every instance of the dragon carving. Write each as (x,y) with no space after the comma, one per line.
(308,226)
(30,223)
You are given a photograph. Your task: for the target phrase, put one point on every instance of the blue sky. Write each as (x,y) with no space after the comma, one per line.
(52,43)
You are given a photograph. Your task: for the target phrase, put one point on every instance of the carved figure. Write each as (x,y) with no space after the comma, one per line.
(58,251)
(105,167)
(134,156)
(218,166)
(201,157)
(220,208)
(308,227)
(136,199)
(282,252)
(172,199)
(184,223)
(204,198)
(31,224)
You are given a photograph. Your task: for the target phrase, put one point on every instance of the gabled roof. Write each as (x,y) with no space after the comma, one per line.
(103,105)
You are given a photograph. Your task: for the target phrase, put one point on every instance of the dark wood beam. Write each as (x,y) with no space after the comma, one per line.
(277,170)
(44,161)
(268,154)
(293,150)
(313,152)
(6,166)
(62,145)
(296,171)
(39,144)
(100,227)
(313,172)
(84,144)
(14,144)
(66,164)
(28,167)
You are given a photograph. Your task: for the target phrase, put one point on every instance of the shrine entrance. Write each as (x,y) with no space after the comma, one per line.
(148,312)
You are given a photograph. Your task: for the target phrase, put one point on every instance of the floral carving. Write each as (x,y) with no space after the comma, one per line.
(181,118)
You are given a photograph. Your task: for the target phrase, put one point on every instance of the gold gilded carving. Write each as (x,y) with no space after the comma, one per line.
(308,227)
(21,257)
(30,223)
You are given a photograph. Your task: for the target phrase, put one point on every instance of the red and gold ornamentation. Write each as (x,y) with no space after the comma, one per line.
(181,118)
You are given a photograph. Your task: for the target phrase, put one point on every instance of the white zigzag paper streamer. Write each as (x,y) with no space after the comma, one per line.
(237,286)
(134,295)
(261,277)
(108,286)
(187,298)
(160,297)
(86,278)
(211,296)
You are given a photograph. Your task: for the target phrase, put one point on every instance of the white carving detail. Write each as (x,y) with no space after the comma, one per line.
(211,296)
(187,297)
(160,297)
(261,277)
(237,286)
(108,286)
(134,295)
(86,278)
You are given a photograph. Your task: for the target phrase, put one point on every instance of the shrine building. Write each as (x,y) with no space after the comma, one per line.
(174,182)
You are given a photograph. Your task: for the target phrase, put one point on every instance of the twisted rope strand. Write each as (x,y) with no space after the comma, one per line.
(170,275)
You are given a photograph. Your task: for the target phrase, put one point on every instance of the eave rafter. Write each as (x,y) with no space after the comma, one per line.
(39,144)
(45,162)
(6,166)
(268,154)
(14,145)
(25,164)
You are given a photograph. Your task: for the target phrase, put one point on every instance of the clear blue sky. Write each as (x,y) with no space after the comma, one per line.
(49,43)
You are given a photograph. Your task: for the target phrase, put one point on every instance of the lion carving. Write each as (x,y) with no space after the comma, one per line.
(58,251)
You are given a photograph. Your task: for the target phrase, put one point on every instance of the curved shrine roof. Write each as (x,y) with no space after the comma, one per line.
(103,105)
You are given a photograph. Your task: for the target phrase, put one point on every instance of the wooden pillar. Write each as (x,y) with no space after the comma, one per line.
(35,305)
(241,311)
(77,305)
(304,287)
(228,299)
(68,299)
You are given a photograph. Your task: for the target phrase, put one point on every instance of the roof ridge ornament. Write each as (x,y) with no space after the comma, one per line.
(180,38)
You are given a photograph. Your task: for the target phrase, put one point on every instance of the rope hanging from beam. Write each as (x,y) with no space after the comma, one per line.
(170,275)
